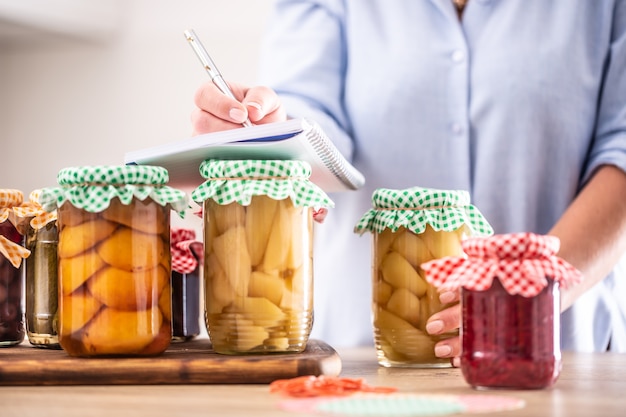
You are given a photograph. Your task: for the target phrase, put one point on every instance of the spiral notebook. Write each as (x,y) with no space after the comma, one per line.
(295,139)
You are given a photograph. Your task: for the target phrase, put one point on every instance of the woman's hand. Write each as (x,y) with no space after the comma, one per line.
(447,320)
(216,111)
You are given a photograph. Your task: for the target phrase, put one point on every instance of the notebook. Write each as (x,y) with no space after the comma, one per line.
(297,139)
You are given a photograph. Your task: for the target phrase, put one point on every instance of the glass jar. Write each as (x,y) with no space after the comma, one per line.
(258,271)
(11,314)
(42,286)
(510,298)
(114,259)
(185,285)
(411,227)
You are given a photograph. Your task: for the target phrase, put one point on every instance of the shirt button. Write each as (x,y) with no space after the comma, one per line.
(456,128)
(457,56)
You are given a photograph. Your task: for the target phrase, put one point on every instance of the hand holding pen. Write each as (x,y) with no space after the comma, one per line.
(219,109)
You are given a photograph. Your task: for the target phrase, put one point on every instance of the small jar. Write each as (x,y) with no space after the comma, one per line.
(410,227)
(510,298)
(41,239)
(258,237)
(114,259)
(11,279)
(185,284)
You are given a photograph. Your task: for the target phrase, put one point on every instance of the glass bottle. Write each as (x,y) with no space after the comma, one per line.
(258,269)
(410,227)
(114,259)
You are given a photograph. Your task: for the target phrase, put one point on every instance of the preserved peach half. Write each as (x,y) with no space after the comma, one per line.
(147,217)
(75,311)
(74,240)
(114,332)
(75,271)
(132,250)
(124,290)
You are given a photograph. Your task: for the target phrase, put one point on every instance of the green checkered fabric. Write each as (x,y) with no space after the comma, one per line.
(239,180)
(92,188)
(414,208)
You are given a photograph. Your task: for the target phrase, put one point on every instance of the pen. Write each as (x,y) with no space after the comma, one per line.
(210,67)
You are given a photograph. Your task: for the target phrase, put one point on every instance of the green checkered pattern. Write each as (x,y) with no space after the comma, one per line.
(414,208)
(92,188)
(239,180)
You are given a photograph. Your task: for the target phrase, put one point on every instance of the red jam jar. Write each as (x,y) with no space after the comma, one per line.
(510,299)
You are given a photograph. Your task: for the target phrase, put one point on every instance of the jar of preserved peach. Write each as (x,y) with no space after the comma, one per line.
(41,239)
(12,252)
(114,259)
(258,239)
(410,227)
(510,297)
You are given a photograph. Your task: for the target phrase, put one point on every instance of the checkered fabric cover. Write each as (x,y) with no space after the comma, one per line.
(92,188)
(183,245)
(521,261)
(414,208)
(11,199)
(33,213)
(239,180)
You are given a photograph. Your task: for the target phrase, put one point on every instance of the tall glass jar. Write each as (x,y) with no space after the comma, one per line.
(258,237)
(510,286)
(12,253)
(410,227)
(114,259)
(185,284)
(41,239)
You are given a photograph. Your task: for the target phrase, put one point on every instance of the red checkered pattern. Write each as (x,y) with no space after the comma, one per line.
(521,261)
(184,249)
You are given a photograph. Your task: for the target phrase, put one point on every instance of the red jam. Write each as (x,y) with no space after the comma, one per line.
(510,341)
(11,314)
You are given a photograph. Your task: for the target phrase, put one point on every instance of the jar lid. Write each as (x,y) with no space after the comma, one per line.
(414,208)
(239,180)
(521,261)
(11,199)
(92,188)
(185,250)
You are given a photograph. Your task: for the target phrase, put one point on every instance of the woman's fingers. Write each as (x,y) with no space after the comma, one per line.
(445,321)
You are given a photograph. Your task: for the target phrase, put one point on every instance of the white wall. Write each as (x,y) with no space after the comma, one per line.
(67,101)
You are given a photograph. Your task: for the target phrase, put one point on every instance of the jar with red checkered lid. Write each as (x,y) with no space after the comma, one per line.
(510,296)
(410,227)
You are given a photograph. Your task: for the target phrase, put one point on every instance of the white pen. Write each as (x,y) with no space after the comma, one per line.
(210,67)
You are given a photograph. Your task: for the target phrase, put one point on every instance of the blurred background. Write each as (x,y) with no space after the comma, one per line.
(84,82)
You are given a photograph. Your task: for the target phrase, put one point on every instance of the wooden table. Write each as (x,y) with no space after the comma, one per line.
(590,385)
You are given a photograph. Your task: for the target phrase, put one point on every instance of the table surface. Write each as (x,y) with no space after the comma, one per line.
(589,385)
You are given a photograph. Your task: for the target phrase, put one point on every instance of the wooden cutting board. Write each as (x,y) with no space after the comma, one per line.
(192,362)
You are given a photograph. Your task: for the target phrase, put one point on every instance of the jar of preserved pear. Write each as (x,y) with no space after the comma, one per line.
(12,252)
(258,239)
(510,297)
(185,284)
(114,259)
(410,227)
(41,239)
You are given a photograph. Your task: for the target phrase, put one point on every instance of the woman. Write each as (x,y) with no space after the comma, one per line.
(522,103)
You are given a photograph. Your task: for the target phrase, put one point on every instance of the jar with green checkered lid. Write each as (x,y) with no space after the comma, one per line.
(258,270)
(114,258)
(410,227)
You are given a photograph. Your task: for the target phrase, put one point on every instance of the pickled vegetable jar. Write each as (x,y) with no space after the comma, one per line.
(185,284)
(114,259)
(258,239)
(410,227)
(12,253)
(41,272)
(510,286)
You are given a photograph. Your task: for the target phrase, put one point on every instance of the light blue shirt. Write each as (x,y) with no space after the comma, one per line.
(518,104)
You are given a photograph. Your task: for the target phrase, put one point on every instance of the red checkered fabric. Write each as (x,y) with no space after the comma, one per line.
(185,250)
(521,261)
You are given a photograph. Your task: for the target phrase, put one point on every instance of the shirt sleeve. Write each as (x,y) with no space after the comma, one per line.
(609,144)
(304,60)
